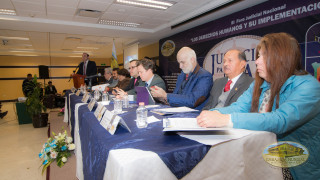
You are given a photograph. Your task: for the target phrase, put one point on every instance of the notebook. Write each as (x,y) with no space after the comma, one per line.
(144,95)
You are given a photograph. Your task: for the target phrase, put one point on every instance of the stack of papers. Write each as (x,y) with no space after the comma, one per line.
(188,128)
(185,124)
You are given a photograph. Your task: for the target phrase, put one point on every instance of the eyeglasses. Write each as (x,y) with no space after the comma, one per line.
(132,67)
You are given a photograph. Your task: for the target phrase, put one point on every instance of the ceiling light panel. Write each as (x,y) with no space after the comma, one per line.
(154,4)
(118,23)
(15,38)
(7,12)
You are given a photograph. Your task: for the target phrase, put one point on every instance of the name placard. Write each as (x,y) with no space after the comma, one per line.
(85,97)
(99,111)
(110,122)
(91,104)
(78,93)
(73,89)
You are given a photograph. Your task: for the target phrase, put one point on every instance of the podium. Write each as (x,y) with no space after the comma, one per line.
(78,79)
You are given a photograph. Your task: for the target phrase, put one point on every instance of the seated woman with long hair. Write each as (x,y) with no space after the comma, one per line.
(283,99)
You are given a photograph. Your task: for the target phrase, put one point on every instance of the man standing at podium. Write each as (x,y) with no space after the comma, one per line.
(88,68)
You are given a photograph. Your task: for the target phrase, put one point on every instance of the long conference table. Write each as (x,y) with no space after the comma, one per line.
(150,153)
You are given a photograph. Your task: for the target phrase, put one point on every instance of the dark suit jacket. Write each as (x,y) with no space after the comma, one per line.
(91,68)
(156,81)
(48,90)
(90,71)
(241,85)
(132,84)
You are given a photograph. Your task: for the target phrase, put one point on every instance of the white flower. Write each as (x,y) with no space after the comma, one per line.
(69,140)
(64,159)
(53,154)
(71,147)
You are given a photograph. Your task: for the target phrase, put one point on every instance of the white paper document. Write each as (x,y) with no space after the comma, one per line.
(216,137)
(151,106)
(101,87)
(176,109)
(185,124)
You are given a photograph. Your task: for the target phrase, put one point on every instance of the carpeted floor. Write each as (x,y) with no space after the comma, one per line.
(68,171)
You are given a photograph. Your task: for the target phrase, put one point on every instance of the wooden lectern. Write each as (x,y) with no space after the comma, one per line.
(78,79)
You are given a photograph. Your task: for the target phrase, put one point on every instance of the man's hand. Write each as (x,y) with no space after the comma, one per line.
(213,119)
(120,92)
(158,92)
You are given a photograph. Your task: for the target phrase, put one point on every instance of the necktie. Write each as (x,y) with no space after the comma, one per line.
(135,81)
(84,68)
(227,87)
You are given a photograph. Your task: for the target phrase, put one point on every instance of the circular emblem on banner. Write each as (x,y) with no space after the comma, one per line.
(168,48)
(285,154)
(213,61)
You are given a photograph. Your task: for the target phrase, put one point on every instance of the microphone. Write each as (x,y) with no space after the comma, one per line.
(74,72)
(76,68)
(93,76)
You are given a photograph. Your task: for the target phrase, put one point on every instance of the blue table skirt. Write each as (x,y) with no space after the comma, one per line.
(180,154)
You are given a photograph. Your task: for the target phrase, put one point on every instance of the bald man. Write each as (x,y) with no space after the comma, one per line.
(234,65)
(193,84)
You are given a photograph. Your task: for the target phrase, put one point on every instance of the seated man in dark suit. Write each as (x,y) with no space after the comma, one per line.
(228,89)
(50,89)
(145,69)
(135,78)
(88,68)
(193,84)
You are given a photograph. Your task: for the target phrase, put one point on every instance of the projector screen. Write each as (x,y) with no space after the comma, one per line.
(130,53)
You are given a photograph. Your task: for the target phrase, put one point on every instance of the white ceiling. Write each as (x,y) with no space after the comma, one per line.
(54,27)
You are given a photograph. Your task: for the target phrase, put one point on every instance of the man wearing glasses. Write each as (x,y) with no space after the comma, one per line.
(135,80)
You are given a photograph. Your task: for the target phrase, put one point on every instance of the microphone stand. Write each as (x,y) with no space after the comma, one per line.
(73,72)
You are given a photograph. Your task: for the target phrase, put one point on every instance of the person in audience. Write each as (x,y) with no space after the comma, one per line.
(109,79)
(124,80)
(227,90)
(284,99)
(135,80)
(193,84)
(115,73)
(27,86)
(88,68)
(50,89)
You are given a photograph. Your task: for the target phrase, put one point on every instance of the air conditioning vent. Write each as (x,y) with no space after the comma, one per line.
(89,13)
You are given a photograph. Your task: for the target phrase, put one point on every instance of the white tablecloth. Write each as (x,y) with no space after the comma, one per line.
(237,159)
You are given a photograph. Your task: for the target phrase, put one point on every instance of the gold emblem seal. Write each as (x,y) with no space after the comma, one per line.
(285,154)
(168,48)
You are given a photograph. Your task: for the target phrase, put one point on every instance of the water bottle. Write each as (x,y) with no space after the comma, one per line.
(105,96)
(96,95)
(142,116)
(125,101)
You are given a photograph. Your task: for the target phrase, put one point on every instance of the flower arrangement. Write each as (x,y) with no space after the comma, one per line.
(57,148)
(61,112)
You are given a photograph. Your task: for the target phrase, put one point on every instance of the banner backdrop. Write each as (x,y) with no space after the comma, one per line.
(243,30)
